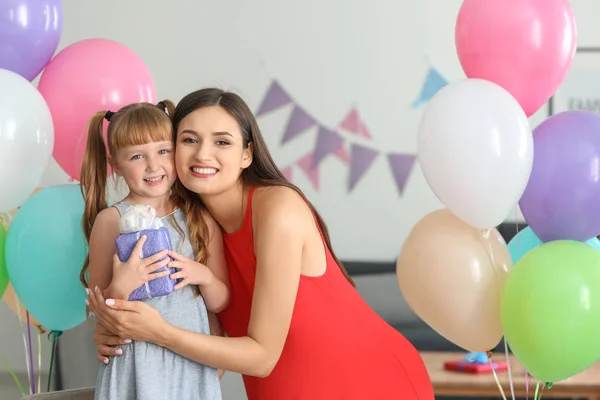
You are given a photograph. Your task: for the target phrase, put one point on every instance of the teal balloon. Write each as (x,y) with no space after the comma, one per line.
(526,240)
(45,251)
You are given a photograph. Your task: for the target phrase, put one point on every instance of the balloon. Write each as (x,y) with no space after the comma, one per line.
(26,139)
(551,309)
(30,31)
(476,150)
(525,46)
(561,198)
(526,240)
(45,251)
(3,271)
(84,78)
(452,276)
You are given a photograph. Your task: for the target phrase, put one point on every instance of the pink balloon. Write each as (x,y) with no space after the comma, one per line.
(525,46)
(84,78)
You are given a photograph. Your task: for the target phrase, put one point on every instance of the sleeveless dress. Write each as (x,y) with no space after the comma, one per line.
(337,347)
(146,371)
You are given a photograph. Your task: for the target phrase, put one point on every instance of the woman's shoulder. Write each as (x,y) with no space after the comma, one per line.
(279,201)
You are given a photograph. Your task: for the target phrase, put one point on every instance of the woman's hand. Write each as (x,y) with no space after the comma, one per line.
(104,340)
(191,272)
(130,275)
(128,319)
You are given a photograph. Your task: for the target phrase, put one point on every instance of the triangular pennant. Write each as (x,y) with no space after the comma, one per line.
(288,173)
(363,130)
(327,142)
(275,98)
(401,165)
(434,81)
(342,154)
(350,122)
(360,160)
(299,122)
(312,173)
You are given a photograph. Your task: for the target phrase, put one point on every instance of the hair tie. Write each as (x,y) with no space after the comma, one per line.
(162,105)
(108,115)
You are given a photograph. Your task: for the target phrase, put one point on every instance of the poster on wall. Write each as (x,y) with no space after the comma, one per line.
(581,88)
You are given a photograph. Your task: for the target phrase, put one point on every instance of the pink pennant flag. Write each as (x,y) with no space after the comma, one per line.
(299,122)
(363,130)
(401,165)
(361,159)
(288,173)
(342,154)
(306,164)
(328,141)
(275,98)
(350,122)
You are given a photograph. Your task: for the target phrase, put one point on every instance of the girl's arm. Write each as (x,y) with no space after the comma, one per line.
(281,222)
(217,330)
(101,250)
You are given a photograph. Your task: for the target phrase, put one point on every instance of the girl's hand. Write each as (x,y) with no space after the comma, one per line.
(191,271)
(104,340)
(130,275)
(128,319)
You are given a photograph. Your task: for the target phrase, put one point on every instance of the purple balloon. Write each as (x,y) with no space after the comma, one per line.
(29,34)
(562,199)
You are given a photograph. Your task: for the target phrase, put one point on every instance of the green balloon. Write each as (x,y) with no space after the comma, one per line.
(550,309)
(3,270)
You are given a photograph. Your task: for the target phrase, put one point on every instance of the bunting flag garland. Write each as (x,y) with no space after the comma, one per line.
(434,81)
(361,159)
(330,142)
(275,98)
(402,165)
(312,173)
(354,124)
(288,172)
(327,142)
(299,122)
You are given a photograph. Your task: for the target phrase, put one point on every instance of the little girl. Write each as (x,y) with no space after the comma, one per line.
(140,148)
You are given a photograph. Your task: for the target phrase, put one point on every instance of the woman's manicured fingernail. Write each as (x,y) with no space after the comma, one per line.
(119,351)
(87,291)
(127,341)
(95,288)
(110,302)
(87,303)
(106,361)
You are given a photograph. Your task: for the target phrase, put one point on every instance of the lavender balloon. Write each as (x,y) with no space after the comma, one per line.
(562,198)
(29,34)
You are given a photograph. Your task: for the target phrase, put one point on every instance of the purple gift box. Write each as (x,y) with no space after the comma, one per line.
(156,241)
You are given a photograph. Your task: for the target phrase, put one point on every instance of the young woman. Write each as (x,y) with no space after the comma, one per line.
(297,328)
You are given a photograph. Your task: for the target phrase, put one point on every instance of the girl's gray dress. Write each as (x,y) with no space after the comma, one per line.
(146,371)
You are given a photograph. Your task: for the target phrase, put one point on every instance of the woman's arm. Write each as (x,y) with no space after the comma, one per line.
(281,222)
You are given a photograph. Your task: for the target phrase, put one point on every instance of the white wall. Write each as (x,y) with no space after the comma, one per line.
(330,55)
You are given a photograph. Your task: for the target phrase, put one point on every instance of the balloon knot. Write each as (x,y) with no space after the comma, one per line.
(549,385)
(489,354)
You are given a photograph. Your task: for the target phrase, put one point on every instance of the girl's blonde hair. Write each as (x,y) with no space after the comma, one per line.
(132,125)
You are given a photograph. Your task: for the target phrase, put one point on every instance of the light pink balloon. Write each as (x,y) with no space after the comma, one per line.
(525,46)
(84,78)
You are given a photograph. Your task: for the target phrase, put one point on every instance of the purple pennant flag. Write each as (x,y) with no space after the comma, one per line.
(305,163)
(401,165)
(276,97)
(299,122)
(360,160)
(328,141)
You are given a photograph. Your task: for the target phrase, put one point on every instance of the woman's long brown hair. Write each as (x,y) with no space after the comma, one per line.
(132,125)
(262,172)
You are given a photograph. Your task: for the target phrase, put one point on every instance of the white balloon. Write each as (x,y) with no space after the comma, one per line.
(26,139)
(475,147)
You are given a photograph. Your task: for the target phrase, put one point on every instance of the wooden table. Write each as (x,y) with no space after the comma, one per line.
(585,385)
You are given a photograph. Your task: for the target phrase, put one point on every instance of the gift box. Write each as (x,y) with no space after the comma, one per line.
(138,221)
